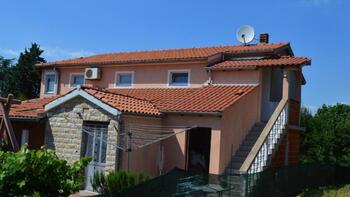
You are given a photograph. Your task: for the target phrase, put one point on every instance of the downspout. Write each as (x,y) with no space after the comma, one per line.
(210,77)
(119,152)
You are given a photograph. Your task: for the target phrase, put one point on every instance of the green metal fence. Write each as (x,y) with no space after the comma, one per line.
(285,181)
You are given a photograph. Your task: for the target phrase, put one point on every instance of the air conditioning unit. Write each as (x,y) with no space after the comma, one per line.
(92,73)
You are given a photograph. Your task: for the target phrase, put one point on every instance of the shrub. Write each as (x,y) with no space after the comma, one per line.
(39,173)
(117,181)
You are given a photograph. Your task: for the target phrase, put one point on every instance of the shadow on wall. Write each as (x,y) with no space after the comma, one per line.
(155,159)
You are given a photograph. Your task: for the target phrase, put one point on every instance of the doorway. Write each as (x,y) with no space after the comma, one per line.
(94,145)
(198,151)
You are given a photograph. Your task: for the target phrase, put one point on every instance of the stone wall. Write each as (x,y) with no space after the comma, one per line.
(63,131)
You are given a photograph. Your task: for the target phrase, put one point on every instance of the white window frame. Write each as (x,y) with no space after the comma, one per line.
(50,72)
(24,137)
(170,72)
(124,72)
(71,79)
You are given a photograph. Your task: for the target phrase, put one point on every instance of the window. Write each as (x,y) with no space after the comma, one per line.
(25,135)
(124,79)
(77,80)
(179,78)
(50,83)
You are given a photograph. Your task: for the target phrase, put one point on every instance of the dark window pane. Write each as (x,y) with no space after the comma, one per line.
(124,80)
(50,83)
(179,79)
(78,80)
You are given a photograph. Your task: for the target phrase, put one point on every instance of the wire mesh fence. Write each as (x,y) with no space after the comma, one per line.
(284,181)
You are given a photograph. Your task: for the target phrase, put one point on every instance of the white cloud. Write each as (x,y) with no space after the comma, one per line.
(50,53)
(9,53)
(56,53)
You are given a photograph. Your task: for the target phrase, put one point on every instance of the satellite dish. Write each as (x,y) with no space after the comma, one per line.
(245,34)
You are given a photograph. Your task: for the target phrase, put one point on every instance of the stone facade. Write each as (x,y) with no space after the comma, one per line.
(64,129)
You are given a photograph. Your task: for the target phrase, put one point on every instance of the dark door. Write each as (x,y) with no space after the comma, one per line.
(198,152)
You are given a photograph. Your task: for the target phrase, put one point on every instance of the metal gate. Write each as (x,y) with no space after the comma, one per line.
(94,142)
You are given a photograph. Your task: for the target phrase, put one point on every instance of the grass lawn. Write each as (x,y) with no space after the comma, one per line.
(330,191)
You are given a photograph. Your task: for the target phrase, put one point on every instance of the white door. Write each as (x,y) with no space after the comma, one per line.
(95,140)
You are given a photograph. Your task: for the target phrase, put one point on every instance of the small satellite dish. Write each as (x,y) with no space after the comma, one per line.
(245,34)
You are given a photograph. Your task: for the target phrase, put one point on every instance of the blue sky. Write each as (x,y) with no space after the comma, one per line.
(319,29)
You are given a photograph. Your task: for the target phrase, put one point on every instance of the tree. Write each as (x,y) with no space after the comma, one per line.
(6,73)
(26,78)
(39,173)
(327,136)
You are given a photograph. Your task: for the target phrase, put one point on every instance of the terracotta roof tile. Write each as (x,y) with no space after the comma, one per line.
(32,108)
(213,98)
(124,103)
(166,55)
(283,61)
(150,101)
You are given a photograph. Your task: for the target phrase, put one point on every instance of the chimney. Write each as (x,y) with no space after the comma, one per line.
(264,38)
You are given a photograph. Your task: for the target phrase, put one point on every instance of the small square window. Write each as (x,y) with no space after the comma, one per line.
(124,79)
(179,79)
(77,80)
(50,83)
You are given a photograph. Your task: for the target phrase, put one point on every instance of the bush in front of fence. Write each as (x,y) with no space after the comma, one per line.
(39,173)
(116,181)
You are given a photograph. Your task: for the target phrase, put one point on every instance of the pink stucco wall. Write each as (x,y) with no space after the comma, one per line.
(236,77)
(145,76)
(237,120)
(175,148)
(227,133)
(177,154)
(141,159)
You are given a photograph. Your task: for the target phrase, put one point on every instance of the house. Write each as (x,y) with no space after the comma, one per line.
(207,109)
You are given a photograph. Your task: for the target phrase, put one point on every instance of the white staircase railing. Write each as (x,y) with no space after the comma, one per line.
(261,153)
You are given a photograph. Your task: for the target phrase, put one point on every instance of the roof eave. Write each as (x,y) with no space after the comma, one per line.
(80,92)
(26,119)
(53,64)
(193,113)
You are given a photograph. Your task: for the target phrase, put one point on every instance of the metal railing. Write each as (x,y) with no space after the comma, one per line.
(270,143)
(261,153)
(266,145)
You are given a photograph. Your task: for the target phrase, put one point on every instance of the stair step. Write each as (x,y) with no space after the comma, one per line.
(235,165)
(248,143)
(245,148)
(242,153)
(238,159)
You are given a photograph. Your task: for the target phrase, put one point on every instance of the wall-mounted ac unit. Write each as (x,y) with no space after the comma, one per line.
(92,73)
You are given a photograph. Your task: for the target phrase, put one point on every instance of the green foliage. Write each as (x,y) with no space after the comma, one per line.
(27,79)
(22,79)
(6,75)
(117,181)
(329,191)
(39,173)
(327,136)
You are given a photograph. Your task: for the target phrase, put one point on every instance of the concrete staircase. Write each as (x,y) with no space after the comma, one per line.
(244,149)
(232,176)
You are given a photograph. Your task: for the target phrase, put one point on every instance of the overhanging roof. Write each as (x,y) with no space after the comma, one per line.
(169,55)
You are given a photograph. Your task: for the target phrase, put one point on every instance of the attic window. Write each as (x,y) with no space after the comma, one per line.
(178,77)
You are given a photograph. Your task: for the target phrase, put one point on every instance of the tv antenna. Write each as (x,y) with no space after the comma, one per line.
(245,34)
